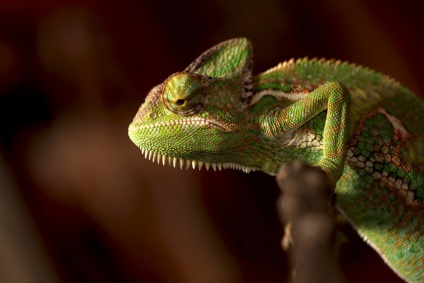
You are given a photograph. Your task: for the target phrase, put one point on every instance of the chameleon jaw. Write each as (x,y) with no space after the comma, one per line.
(173,161)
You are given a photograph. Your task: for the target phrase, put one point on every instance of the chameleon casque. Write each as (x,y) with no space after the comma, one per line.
(363,128)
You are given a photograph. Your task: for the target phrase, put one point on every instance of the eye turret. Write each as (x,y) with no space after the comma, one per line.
(183,93)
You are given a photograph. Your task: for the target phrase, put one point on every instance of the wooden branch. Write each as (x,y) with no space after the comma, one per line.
(309,218)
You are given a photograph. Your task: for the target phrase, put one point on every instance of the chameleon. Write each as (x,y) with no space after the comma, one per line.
(363,128)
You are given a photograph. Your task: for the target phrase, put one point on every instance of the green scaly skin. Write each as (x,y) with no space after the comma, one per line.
(364,129)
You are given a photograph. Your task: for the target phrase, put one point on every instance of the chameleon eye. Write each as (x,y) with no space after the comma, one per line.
(182,93)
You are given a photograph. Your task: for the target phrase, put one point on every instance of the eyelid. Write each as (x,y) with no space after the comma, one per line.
(184,93)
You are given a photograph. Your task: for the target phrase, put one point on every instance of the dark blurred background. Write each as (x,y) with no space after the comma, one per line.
(78,202)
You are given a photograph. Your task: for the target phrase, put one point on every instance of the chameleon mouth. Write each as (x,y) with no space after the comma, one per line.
(195,121)
(174,161)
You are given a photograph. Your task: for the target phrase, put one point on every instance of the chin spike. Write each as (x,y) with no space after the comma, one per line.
(170,160)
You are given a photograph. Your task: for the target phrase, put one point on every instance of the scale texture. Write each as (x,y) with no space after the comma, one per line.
(363,128)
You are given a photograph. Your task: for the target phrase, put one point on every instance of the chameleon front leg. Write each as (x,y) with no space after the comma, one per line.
(335,98)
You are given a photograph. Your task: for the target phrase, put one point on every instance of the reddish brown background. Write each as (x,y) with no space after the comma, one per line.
(73,74)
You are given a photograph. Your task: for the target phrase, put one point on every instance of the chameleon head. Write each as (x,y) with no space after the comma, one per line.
(192,118)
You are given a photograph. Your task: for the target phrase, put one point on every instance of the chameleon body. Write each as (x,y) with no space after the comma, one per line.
(363,128)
